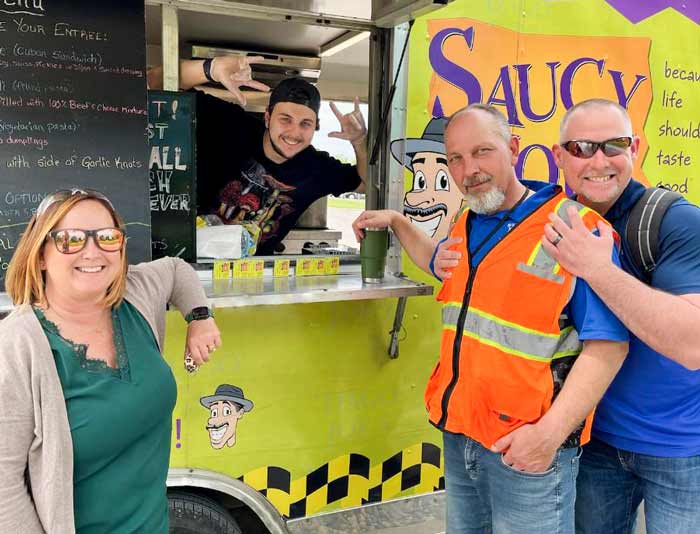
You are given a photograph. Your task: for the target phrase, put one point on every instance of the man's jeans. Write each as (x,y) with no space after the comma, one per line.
(485,496)
(613,482)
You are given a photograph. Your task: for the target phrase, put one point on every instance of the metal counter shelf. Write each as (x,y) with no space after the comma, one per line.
(235,293)
(347,285)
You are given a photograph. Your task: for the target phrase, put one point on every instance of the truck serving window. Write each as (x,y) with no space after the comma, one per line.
(344,208)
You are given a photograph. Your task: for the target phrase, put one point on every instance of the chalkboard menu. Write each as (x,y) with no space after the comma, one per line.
(73,111)
(171,123)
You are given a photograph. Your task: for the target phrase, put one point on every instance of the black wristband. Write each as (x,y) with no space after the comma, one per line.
(198,314)
(206,67)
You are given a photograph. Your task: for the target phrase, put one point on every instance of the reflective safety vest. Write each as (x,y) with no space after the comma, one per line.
(504,355)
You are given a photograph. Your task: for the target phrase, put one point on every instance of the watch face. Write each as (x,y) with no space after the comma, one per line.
(200,313)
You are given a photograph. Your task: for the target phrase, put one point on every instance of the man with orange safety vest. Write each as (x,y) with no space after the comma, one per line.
(527,349)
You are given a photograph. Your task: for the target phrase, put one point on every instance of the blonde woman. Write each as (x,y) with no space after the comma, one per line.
(86,398)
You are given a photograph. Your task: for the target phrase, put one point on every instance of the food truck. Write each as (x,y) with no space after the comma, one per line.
(310,417)
(323,424)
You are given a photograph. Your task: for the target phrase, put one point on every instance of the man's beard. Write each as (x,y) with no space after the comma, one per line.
(484,203)
(277,149)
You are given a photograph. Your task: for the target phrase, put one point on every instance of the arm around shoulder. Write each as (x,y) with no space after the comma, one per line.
(666,314)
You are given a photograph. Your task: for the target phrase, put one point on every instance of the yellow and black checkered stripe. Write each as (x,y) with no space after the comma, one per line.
(350,480)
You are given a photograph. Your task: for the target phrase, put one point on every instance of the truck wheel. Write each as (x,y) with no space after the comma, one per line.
(195,514)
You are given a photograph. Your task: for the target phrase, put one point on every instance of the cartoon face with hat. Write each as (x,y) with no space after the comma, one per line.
(226,406)
(433,199)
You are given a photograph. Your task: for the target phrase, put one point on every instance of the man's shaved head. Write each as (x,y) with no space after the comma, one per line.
(594,103)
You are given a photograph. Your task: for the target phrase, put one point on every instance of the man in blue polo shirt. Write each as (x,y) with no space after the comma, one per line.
(519,476)
(646,433)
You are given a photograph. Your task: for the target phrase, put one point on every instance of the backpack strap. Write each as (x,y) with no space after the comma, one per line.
(643,225)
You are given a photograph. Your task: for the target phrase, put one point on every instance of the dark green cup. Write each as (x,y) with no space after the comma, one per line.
(373,254)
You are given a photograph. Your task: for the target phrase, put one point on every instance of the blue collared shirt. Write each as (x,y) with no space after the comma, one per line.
(653,404)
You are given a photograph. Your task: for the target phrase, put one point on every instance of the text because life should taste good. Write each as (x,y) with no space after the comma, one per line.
(680,82)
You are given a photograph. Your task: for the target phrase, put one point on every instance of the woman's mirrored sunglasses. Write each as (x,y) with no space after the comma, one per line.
(586,149)
(64,194)
(72,240)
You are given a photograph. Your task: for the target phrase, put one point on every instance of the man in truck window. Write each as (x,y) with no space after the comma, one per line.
(646,434)
(265,172)
(527,348)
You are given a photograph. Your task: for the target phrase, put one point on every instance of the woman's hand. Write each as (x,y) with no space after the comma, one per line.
(203,338)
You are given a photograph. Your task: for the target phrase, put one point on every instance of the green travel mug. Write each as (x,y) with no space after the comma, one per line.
(373,254)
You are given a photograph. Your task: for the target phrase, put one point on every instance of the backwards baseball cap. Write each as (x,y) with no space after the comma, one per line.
(296,91)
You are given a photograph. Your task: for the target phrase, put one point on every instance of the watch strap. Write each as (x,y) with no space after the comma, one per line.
(199,314)
(206,67)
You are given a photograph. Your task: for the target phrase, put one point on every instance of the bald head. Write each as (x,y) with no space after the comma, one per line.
(588,105)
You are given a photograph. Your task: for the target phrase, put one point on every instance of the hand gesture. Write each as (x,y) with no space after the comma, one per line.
(576,248)
(371,219)
(352,125)
(526,449)
(203,338)
(446,259)
(234,72)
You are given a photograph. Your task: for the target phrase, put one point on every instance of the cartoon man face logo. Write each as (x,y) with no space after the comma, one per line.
(226,407)
(433,199)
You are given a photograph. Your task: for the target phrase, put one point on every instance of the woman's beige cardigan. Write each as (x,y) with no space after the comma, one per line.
(36,452)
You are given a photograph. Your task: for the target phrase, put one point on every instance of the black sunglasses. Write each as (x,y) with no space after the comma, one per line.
(73,240)
(586,149)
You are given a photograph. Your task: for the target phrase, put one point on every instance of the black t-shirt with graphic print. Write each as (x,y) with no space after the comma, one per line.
(236,181)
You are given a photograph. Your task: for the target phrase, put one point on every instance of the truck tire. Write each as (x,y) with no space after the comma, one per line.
(196,514)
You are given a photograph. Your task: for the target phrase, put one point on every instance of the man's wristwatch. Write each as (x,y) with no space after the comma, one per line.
(199,314)
(206,67)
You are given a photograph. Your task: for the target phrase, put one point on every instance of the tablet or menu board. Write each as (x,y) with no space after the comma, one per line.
(73,111)
(171,174)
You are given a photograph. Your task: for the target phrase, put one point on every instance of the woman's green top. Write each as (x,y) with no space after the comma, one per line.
(120,422)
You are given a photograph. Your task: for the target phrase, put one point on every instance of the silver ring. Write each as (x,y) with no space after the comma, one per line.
(557,239)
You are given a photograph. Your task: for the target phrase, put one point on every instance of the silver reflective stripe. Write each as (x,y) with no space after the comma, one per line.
(569,343)
(545,273)
(540,263)
(513,339)
(450,314)
(562,210)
